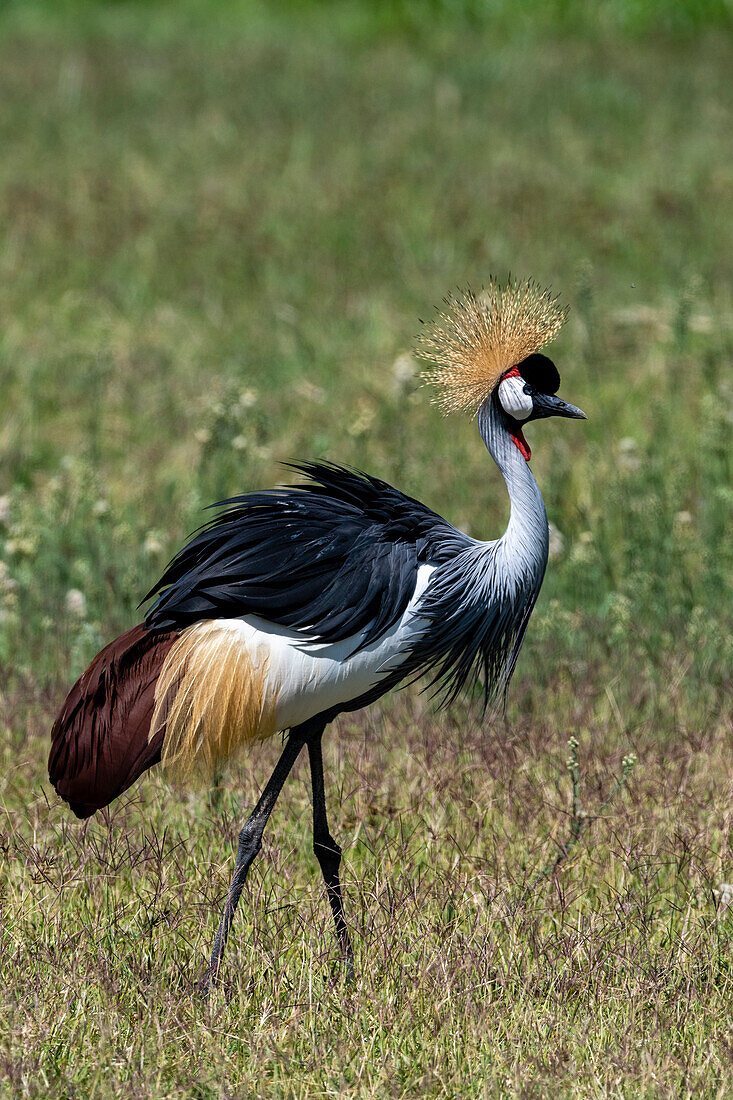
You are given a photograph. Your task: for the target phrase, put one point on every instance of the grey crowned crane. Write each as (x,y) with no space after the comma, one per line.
(297,604)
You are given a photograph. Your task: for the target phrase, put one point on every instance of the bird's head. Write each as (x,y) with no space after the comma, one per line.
(528,392)
(485,351)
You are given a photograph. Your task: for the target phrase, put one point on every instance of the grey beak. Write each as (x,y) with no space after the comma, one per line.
(546,404)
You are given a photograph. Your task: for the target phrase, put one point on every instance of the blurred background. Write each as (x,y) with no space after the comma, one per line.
(222,222)
(220,225)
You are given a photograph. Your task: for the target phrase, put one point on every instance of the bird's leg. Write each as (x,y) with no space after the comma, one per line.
(250,842)
(328,852)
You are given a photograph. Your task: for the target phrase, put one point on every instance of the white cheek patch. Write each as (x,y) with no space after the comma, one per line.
(514,400)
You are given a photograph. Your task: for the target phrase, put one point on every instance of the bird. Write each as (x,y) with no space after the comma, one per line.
(296,604)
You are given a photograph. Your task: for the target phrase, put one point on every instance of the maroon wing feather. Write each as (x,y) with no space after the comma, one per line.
(99,741)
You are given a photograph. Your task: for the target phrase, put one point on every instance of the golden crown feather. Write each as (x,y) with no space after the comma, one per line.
(478,337)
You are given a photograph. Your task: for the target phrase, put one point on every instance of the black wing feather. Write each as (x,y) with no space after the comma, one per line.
(332,557)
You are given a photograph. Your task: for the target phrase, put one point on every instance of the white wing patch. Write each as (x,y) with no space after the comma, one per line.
(306,678)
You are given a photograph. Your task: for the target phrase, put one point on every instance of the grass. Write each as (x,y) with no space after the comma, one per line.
(217,237)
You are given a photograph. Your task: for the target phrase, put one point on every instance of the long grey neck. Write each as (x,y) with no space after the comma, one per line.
(525,540)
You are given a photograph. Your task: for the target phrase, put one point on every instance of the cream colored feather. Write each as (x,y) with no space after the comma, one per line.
(210,699)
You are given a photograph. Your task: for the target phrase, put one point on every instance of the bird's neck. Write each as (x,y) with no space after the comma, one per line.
(526,536)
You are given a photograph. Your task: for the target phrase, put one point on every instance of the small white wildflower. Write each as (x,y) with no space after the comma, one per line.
(152,544)
(557,542)
(683,519)
(628,458)
(4,508)
(76,603)
(403,371)
(23,547)
(239,443)
(101,507)
(247,399)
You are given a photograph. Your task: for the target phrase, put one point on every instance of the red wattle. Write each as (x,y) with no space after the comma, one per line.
(522,445)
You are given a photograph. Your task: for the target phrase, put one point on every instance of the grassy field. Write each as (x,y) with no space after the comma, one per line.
(217,237)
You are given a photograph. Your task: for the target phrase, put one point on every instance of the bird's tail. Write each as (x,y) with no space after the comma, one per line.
(100,740)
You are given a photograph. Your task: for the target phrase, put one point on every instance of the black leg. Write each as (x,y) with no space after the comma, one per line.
(328,853)
(250,842)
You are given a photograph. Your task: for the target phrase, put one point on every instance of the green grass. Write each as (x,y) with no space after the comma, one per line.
(219,228)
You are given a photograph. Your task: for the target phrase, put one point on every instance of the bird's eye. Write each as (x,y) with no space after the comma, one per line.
(515,398)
